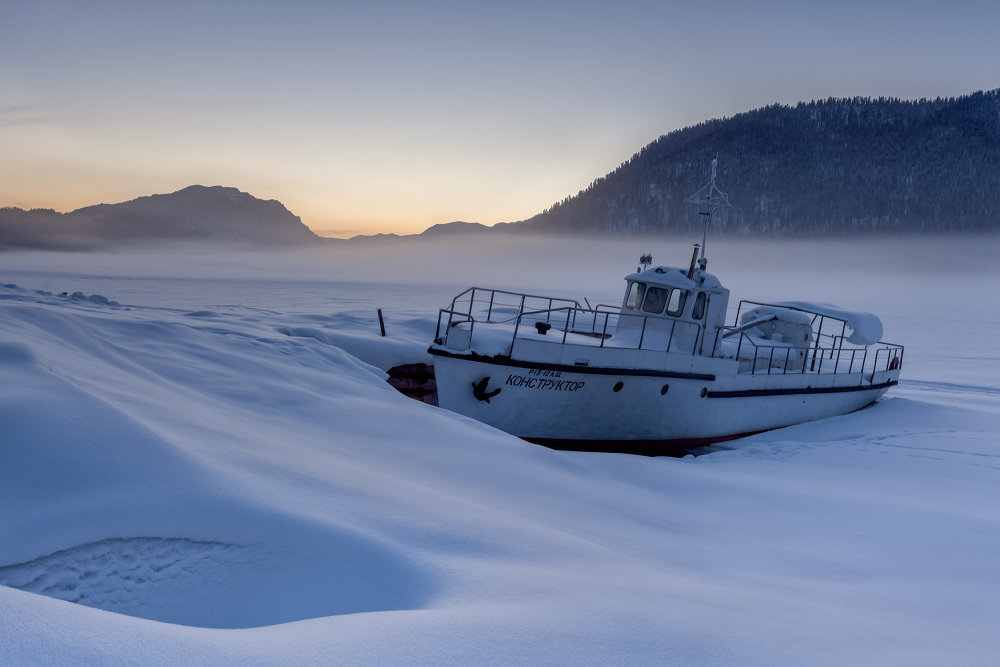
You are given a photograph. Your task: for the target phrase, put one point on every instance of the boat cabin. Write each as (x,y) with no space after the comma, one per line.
(688,305)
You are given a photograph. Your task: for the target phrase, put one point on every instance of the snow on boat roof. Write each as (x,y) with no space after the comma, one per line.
(672,276)
(866,327)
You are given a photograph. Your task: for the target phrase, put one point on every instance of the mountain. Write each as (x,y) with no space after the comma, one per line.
(831,167)
(445,229)
(457,227)
(196,213)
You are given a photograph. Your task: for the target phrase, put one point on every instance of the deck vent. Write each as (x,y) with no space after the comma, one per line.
(542,327)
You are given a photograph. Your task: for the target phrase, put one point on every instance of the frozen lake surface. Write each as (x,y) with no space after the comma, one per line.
(202,463)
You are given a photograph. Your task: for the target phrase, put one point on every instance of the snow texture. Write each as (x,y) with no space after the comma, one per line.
(865,328)
(187,455)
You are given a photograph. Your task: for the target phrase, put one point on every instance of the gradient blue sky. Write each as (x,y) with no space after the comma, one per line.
(393,116)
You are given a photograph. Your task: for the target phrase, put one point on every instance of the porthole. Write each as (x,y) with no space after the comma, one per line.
(664,389)
(618,386)
(704,392)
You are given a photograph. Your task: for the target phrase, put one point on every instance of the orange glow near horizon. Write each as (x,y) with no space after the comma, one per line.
(322,217)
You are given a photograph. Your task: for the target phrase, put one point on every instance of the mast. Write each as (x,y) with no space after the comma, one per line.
(713,199)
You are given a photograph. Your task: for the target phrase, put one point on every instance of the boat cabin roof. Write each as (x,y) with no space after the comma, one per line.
(672,276)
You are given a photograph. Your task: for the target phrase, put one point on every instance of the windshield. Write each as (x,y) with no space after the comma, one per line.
(656,299)
(635,294)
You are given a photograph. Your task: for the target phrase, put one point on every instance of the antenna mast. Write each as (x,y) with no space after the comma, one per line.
(713,199)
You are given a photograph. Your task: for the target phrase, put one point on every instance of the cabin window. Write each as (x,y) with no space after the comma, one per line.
(656,299)
(635,294)
(698,311)
(676,304)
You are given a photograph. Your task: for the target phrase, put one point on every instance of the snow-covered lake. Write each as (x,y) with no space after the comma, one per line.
(199,450)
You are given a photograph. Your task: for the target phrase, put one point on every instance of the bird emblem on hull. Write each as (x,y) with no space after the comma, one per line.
(479,390)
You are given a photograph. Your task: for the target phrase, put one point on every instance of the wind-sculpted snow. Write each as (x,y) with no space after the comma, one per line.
(78,467)
(225,453)
(126,575)
(212,584)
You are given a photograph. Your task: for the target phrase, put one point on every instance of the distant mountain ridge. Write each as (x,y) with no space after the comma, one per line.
(197,213)
(833,167)
(830,167)
(444,229)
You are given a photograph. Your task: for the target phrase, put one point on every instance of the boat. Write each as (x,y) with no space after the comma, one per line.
(662,372)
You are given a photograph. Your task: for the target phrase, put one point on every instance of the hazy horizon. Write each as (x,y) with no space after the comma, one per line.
(539,261)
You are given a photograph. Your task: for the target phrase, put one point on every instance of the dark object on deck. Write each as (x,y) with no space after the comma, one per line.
(381,322)
(416,381)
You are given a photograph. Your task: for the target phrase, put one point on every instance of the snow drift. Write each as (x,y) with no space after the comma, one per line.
(184,458)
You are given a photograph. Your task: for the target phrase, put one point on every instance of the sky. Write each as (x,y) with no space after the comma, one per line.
(366,117)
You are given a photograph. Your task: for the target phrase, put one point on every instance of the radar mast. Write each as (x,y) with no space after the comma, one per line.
(713,199)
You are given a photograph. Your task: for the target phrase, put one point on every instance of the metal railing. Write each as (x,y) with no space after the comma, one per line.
(597,324)
(491,306)
(757,359)
(826,353)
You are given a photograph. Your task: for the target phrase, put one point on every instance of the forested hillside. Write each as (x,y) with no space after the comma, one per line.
(831,167)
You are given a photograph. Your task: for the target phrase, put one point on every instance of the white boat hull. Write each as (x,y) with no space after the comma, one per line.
(642,410)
